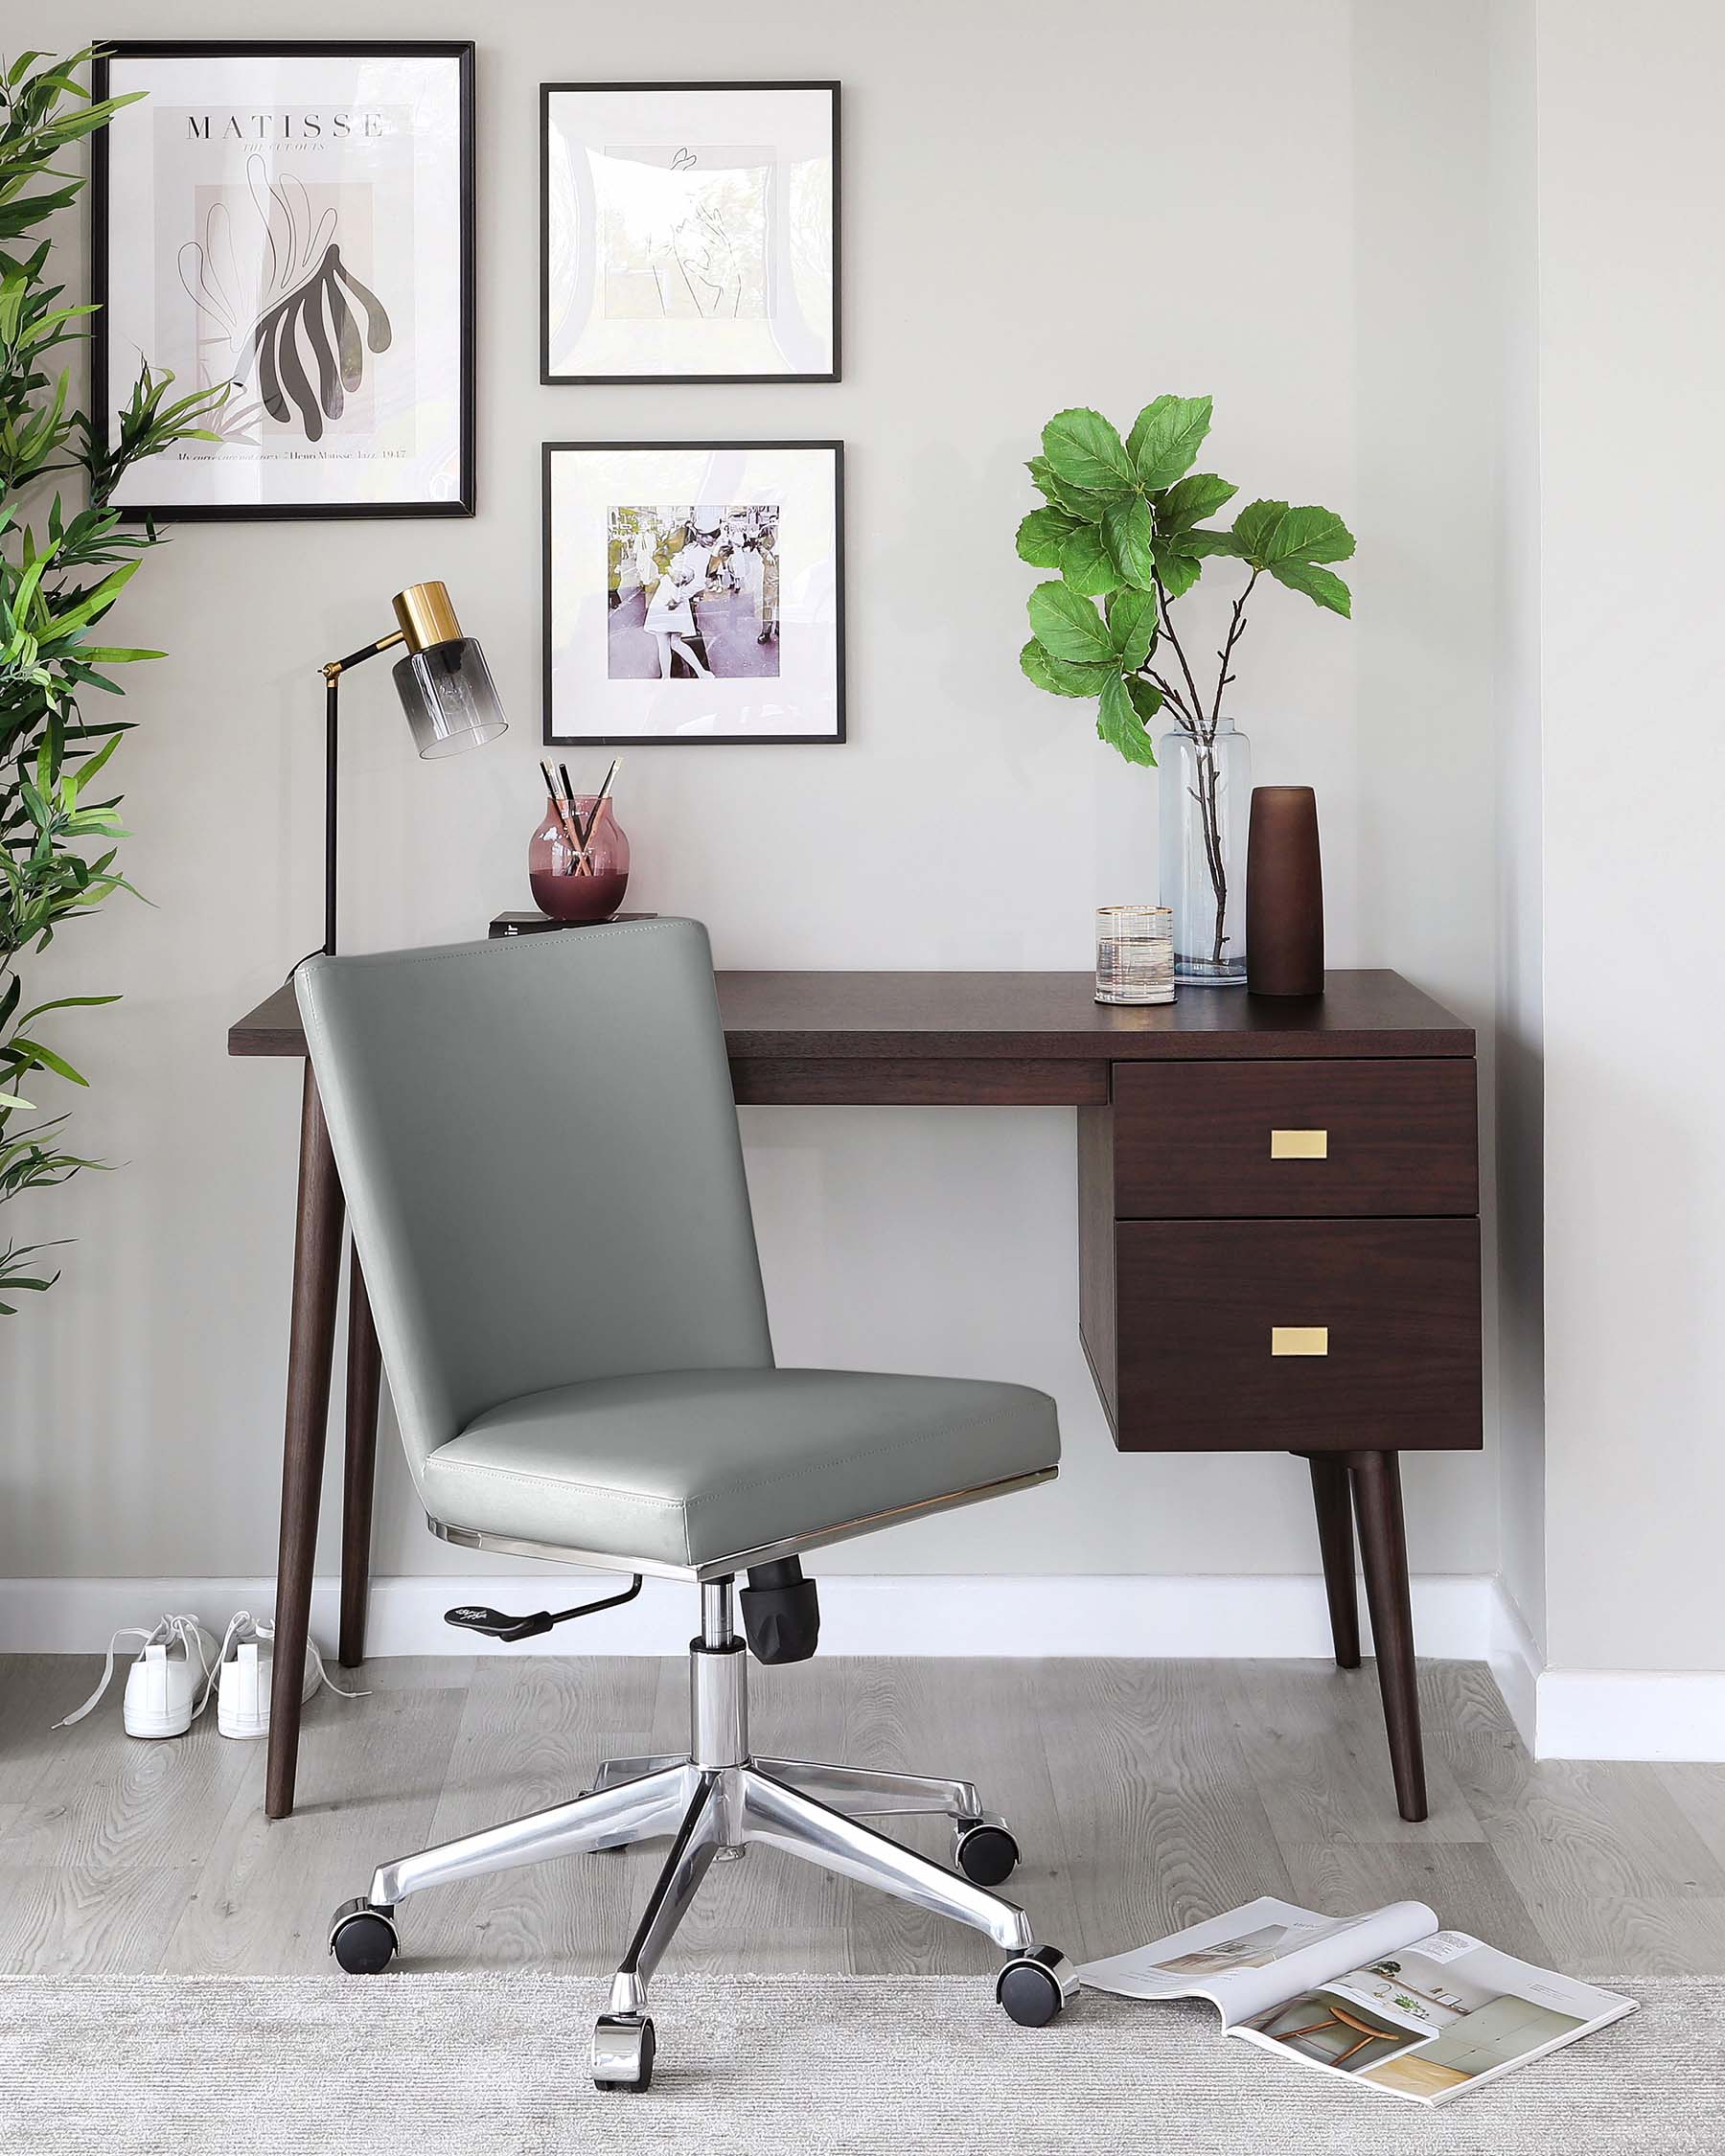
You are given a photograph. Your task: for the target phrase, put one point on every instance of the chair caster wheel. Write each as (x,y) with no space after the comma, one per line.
(1034,1987)
(623,2050)
(984,1851)
(363,1937)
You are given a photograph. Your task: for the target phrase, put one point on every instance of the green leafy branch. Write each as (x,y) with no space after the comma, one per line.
(57,850)
(1123,522)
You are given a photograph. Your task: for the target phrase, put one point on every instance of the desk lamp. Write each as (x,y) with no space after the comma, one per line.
(446,689)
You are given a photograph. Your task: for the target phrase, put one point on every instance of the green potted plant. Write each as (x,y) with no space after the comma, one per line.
(62,566)
(1123,522)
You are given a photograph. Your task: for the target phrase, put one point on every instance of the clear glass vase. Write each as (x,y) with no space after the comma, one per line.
(1206,786)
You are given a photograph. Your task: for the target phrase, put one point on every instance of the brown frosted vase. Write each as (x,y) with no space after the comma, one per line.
(568,886)
(1284,893)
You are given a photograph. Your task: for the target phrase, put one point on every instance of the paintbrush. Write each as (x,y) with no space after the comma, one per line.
(565,816)
(600,797)
(584,830)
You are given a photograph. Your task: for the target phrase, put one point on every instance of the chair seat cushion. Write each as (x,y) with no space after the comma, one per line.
(689,1467)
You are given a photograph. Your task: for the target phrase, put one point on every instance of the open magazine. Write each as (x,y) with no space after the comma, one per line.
(1386,1999)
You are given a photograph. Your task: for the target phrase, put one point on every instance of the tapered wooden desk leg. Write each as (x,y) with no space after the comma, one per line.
(364,1372)
(1334,1504)
(311,1342)
(1384,1548)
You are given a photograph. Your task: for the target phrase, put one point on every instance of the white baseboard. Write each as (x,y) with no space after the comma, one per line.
(1560,1713)
(1672,1714)
(1668,1714)
(1516,1663)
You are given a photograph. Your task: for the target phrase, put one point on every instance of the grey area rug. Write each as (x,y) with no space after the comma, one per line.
(797,2066)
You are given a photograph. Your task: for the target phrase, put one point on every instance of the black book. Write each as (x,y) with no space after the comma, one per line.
(537,923)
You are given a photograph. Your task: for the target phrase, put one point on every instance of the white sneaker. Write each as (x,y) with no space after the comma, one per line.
(245,1671)
(167,1687)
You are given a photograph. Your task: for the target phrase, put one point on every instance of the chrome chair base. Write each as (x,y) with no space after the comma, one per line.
(717,1801)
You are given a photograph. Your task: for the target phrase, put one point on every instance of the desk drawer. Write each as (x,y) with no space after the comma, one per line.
(1289,1336)
(1278,1140)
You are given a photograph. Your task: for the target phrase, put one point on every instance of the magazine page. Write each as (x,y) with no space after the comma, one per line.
(1434,2019)
(1250,1959)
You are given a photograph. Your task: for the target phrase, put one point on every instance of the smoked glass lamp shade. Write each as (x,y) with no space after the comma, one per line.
(450,700)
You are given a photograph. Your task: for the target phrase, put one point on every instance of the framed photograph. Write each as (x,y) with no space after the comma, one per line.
(693,592)
(295,220)
(689,232)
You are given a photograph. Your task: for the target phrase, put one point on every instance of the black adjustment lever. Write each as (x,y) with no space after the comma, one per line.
(497,1624)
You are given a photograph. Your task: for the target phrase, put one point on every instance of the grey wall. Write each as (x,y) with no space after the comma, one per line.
(1516,612)
(1632,327)
(1283,205)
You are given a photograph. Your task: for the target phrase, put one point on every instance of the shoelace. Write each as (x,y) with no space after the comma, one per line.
(186,1630)
(264,1628)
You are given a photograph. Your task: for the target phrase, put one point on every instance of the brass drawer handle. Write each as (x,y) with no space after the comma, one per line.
(1300,1339)
(1300,1145)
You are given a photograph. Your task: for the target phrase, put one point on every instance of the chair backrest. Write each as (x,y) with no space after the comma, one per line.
(539,1150)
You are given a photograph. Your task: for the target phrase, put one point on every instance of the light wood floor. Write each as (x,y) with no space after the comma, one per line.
(1144,1795)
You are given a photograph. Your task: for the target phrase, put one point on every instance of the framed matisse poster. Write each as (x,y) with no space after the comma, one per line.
(693,592)
(296,221)
(689,232)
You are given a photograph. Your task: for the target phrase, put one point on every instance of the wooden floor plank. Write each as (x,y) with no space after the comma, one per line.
(765,1910)
(1145,1795)
(532,1734)
(1698,1793)
(1592,1830)
(1462,1882)
(36,1691)
(1463,1696)
(370,1775)
(86,1920)
(977,1721)
(1312,1737)
(1641,1936)
(106,1802)
(1162,1820)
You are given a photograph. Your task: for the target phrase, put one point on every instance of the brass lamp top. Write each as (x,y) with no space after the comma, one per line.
(426,616)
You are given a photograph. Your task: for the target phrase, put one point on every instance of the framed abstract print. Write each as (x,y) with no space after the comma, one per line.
(296,221)
(689,232)
(693,592)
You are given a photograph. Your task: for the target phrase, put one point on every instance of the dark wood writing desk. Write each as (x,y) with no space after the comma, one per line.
(1277,1244)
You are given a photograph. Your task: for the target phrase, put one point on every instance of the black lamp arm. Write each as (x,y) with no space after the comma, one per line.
(333,671)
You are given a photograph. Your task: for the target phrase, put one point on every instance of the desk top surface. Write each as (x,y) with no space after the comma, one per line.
(994,1016)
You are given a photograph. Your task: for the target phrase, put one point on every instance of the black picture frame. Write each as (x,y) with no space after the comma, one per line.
(461,52)
(833,739)
(548,379)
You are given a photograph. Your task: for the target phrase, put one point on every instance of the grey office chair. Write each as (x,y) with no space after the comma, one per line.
(540,1155)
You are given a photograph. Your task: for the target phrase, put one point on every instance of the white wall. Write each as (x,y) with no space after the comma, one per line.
(1513,563)
(1631,173)
(1282,205)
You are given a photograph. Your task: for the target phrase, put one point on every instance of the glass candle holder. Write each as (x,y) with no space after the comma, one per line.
(1135,955)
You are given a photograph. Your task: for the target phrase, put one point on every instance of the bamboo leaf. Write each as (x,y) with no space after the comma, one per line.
(48,1059)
